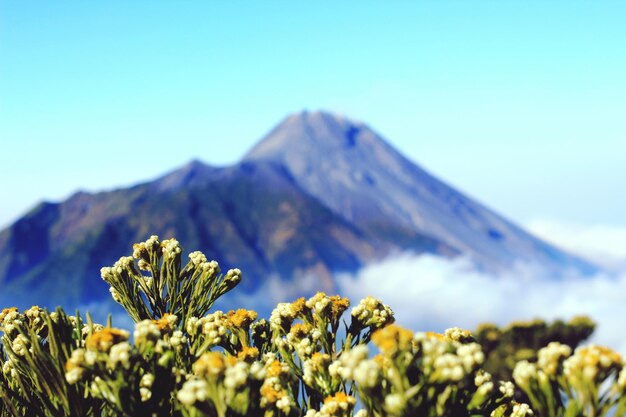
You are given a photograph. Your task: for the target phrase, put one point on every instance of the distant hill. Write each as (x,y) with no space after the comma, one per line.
(318,195)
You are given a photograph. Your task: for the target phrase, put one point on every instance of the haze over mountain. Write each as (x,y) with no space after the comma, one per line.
(319,194)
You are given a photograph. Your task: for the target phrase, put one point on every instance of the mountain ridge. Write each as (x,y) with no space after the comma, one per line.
(319,194)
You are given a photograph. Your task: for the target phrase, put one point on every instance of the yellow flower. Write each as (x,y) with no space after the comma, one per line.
(209,364)
(248,354)
(340,397)
(339,305)
(271,394)
(299,331)
(167,323)
(241,318)
(275,368)
(392,338)
(437,336)
(298,306)
(6,311)
(102,340)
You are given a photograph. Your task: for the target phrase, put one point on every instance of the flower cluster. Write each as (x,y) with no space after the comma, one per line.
(187,291)
(423,374)
(591,378)
(308,359)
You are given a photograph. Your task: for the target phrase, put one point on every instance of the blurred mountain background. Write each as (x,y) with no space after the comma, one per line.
(317,196)
(517,104)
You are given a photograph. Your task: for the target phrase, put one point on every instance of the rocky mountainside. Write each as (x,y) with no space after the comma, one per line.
(318,195)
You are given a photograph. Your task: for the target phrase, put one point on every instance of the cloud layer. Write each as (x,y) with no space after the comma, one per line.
(432,293)
(600,243)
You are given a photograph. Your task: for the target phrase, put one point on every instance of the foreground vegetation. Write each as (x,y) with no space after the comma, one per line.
(311,358)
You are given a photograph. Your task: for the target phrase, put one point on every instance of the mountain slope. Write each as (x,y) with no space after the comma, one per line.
(355,172)
(318,195)
(249,216)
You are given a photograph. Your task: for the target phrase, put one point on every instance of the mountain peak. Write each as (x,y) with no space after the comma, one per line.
(191,173)
(318,132)
(324,116)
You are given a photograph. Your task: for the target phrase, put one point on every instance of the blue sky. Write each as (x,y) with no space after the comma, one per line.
(520,104)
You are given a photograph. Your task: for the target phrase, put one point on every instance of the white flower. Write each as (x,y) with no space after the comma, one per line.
(194,390)
(74,366)
(551,356)
(145,393)
(394,403)
(9,370)
(20,345)
(213,327)
(448,367)
(236,376)
(74,375)
(146,380)
(521,410)
(318,303)
(119,354)
(372,312)
(197,258)
(348,362)
(284,404)
(523,373)
(233,276)
(282,316)
(193,323)
(507,388)
(145,331)
(457,334)
(367,374)
(171,248)
(471,355)
(257,371)
(178,339)
(114,294)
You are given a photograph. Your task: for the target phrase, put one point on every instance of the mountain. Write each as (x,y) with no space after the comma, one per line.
(357,174)
(320,194)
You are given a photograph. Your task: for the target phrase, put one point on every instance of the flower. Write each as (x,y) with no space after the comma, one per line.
(232,278)
(178,339)
(167,323)
(119,355)
(171,248)
(241,318)
(522,410)
(523,373)
(551,357)
(283,316)
(590,365)
(210,364)
(103,339)
(20,345)
(74,369)
(194,390)
(339,404)
(457,334)
(392,338)
(237,375)
(146,331)
(348,362)
(248,354)
(371,312)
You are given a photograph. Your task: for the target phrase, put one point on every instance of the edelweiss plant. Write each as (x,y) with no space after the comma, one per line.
(591,381)
(314,357)
(167,287)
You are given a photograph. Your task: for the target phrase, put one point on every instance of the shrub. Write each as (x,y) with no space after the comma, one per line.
(308,359)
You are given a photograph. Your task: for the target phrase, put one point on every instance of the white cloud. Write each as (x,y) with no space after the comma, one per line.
(432,293)
(602,244)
